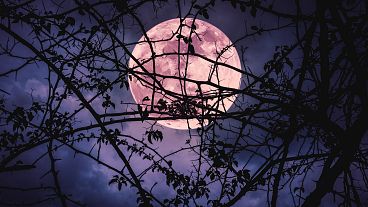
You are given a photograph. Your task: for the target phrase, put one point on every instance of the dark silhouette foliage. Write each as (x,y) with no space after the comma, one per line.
(297,130)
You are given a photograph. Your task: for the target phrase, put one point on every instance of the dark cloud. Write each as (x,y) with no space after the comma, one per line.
(88,181)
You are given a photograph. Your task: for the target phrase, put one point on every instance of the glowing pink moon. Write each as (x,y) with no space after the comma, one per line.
(208,41)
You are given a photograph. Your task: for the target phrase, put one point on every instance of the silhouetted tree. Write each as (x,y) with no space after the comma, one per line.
(299,124)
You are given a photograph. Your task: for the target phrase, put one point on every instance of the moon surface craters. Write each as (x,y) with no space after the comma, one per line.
(209,42)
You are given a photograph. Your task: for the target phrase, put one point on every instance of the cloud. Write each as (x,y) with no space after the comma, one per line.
(36,88)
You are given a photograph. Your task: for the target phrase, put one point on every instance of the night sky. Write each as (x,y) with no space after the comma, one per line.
(87,181)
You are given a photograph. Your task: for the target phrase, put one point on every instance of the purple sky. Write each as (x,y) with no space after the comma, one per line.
(88,181)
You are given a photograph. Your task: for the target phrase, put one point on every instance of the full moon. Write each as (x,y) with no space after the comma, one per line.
(183,72)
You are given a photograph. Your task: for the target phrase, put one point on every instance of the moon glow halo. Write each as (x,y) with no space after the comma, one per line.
(185,70)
